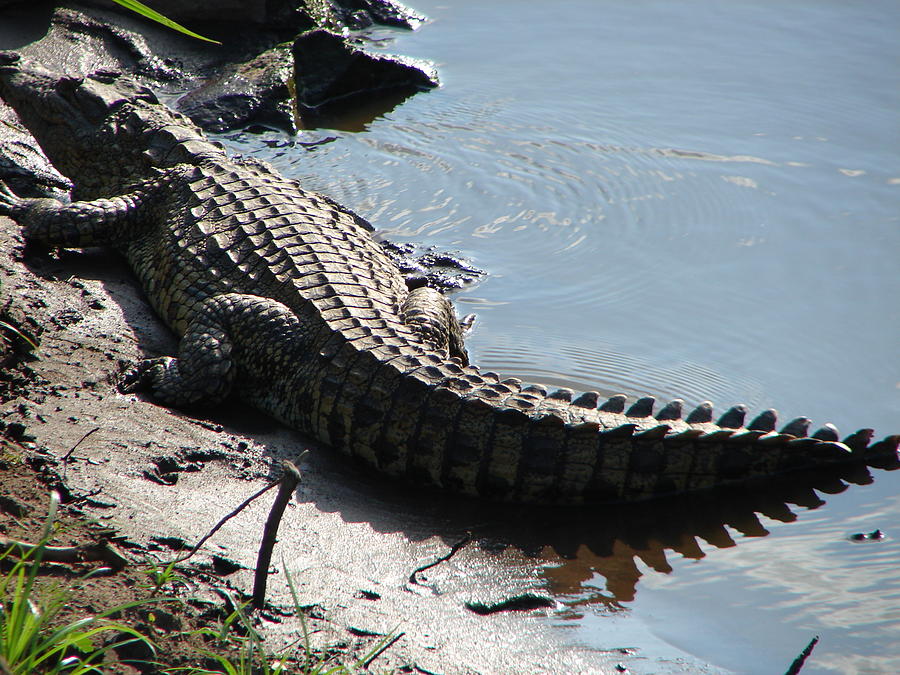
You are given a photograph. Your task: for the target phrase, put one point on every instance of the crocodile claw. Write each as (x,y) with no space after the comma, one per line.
(139,378)
(10,203)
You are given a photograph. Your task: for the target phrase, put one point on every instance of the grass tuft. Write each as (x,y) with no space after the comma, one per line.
(33,638)
(237,649)
(37,634)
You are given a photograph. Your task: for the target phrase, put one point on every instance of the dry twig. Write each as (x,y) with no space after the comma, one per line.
(224,520)
(287,485)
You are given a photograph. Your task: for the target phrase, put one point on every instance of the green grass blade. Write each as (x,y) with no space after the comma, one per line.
(152,14)
(48,528)
(22,335)
(31,639)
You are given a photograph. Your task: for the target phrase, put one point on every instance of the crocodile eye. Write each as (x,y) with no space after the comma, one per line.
(92,99)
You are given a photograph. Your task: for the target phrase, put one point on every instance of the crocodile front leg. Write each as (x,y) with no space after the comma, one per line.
(100,222)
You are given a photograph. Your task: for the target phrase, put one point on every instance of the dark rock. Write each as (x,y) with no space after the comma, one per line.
(97,40)
(253,92)
(359,20)
(331,75)
(426,266)
(385,12)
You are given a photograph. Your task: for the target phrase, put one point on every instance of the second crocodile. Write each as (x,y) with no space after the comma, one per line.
(281,296)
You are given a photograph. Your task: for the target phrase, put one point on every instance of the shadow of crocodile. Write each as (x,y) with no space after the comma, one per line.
(608,539)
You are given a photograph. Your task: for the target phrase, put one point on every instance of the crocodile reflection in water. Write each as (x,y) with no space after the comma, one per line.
(578,546)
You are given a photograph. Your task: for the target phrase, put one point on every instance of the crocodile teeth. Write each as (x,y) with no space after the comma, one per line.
(615,404)
(701,414)
(562,394)
(671,410)
(860,440)
(797,427)
(828,432)
(587,400)
(733,418)
(765,421)
(643,407)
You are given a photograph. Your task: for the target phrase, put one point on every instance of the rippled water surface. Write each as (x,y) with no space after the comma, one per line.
(679,199)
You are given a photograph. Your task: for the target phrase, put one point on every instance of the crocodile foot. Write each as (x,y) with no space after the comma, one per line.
(10,203)
(140,377)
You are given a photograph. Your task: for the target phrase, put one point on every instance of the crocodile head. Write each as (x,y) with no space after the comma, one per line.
(101,129)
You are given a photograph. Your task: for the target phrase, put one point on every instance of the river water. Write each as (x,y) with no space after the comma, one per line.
(693,200)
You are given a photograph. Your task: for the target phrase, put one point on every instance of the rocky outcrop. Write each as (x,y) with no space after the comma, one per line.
(332,74)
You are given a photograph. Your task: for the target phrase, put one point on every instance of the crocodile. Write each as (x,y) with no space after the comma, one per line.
(282,297)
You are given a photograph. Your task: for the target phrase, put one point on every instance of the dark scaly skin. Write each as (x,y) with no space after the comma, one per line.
(281,296)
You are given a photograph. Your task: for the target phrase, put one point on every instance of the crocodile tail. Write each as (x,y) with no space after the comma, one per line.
(613,454)
(439,424)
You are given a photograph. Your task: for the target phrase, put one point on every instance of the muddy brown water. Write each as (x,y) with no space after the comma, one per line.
(679,199)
